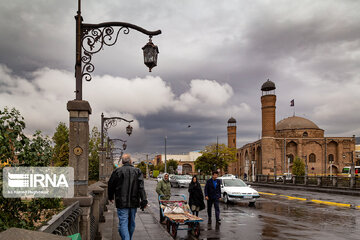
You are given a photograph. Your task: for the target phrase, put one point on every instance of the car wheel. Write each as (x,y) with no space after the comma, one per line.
(226,198)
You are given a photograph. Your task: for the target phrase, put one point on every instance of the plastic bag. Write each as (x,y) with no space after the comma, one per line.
(178,210)
(167,210)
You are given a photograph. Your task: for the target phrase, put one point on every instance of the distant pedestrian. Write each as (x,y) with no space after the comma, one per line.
(163,189)
(127,184)
(196,198)
(213,195)
(245,176)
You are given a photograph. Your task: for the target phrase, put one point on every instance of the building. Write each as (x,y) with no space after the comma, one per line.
(292,137)
(184,160)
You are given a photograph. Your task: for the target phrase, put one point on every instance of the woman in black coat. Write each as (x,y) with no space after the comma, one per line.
(196,198)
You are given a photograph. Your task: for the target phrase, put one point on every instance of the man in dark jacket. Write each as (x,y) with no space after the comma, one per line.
(127,184)
(213,195)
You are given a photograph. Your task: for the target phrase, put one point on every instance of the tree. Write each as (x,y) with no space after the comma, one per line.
(61,147)
(298,168)
(38,152)
(12,138)
(19,150)
(215,156)
(160,167)
(94,145)
(172,165)
(142,167)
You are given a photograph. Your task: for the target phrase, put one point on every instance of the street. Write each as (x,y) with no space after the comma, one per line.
(278,214)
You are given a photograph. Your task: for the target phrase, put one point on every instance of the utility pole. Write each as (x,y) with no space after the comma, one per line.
(165,154)
(147,166)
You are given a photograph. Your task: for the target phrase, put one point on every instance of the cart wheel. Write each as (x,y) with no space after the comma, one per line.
(174,230)
(197,229)
(168,225)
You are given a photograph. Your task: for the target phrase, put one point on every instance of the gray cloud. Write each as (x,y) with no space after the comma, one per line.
(214,56)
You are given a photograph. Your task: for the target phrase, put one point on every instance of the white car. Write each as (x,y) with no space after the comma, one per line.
(160,177)
(180,181)
(235,190)
(228,176)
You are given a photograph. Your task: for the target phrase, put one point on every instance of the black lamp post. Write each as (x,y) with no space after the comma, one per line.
(91,38)
(106,123)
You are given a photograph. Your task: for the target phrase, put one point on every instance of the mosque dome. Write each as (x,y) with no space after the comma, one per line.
(295,123)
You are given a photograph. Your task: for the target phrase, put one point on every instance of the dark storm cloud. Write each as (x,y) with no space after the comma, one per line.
(310,49)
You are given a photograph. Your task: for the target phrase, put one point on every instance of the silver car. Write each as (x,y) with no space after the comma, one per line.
(180,181)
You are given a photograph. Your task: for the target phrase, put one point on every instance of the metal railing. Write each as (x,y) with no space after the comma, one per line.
(338,182)
(64,223)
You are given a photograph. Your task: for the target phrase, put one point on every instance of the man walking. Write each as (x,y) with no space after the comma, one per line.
(213,195)
(127,184)
(163,189)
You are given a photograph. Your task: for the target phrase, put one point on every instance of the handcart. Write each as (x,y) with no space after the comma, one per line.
(178,217)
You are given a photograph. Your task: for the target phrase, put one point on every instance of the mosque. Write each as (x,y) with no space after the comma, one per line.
(285,140)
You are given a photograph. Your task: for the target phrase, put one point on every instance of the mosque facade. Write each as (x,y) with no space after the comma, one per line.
(282,142)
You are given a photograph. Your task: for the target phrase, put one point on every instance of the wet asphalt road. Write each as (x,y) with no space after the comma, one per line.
(276,217)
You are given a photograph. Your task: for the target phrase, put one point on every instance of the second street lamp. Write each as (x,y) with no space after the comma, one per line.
(106,123)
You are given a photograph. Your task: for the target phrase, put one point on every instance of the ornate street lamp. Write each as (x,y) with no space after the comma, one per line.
(150,54)
(129,130)
(106,123)
(91,38)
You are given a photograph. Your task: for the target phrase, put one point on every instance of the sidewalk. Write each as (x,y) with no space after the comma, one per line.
(147,227)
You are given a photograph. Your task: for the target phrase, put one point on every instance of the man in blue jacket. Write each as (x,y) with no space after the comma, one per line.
(213,195)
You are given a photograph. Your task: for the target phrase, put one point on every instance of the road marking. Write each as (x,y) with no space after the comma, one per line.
(332,203)
(265,193)
(296,198)
(312,200)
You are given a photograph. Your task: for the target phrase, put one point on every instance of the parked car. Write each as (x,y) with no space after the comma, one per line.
(180,181)
(235,190)
(287,176)
(159,177)
(228,176)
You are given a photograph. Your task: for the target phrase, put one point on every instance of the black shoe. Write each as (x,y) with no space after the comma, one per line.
(218,221)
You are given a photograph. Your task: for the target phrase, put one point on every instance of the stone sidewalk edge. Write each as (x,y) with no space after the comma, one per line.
(161,226)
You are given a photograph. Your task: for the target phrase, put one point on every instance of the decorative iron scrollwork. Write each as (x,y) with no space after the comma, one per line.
(93,40)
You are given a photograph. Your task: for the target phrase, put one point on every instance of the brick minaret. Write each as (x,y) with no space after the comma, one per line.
(268,100)
(231,132)
(268,161)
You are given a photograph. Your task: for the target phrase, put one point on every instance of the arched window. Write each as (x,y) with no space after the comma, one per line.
(312,158)
(305,134)
(291,158)
(331,158)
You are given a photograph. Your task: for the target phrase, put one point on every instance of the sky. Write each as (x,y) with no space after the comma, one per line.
(214,57)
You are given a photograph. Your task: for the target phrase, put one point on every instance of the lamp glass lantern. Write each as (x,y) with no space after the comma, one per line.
(129,130)
(150,54)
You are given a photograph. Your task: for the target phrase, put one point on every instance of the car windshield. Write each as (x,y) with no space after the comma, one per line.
(234,183)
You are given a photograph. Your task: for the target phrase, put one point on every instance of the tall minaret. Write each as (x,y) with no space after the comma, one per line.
(268,100)
(231,131)
(268,164)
